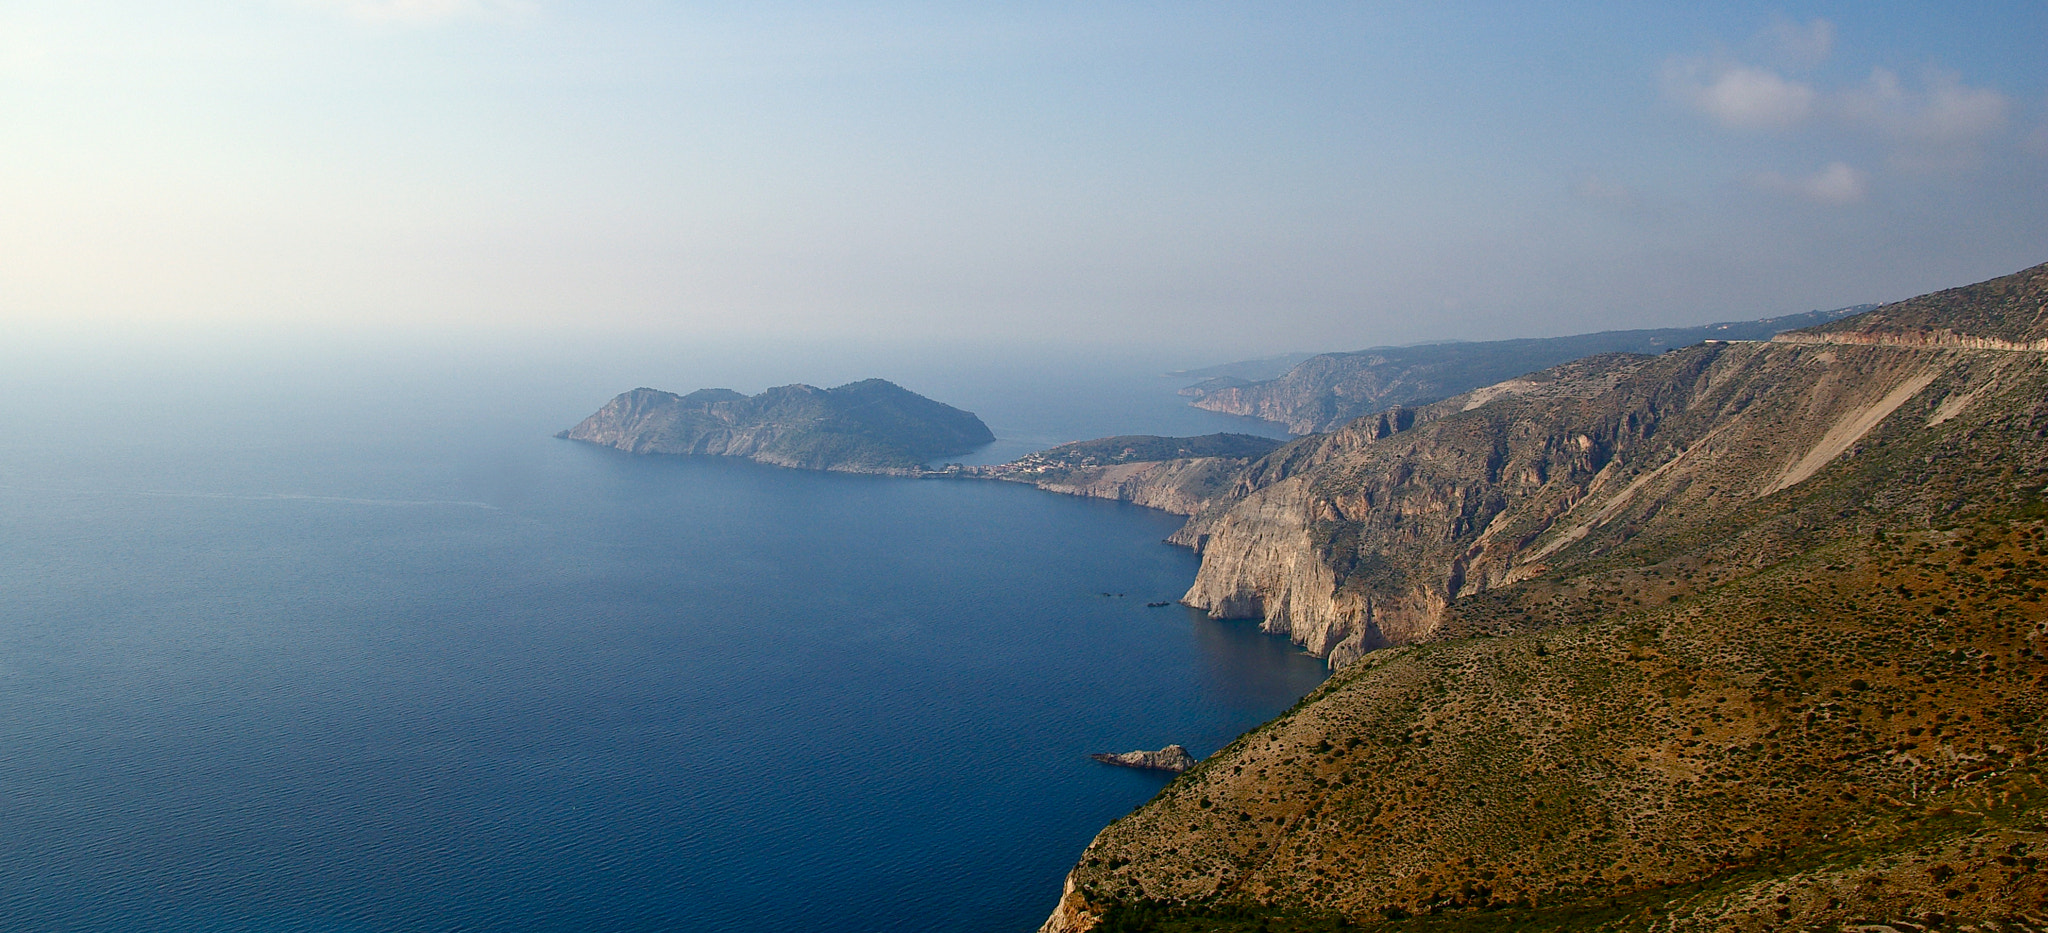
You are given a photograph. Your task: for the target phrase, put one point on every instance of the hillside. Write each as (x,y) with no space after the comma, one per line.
(1174,474)
(2009,313)
(872,426)
(1324,392)
(1744,636)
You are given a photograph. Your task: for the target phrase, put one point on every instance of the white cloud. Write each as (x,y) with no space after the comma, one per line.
(1838,183)
(424,12)
(1935,125)
(1800,45)
(1948,111)
(1740,96)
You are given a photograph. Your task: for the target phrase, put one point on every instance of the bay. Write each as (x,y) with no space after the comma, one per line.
(347,641)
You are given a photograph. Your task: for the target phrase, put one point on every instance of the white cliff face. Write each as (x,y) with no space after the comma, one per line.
(1259,562)
(1365,543)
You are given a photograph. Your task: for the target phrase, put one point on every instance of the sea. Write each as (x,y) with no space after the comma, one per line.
(336,636)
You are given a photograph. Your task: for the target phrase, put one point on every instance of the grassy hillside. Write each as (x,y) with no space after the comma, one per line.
(1741,637)
(1324,392)
(1856,731)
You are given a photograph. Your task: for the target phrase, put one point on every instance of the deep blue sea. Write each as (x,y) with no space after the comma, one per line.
(344,640)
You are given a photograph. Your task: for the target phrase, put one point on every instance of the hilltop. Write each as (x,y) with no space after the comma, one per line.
(872,426)
(1744,636)
(1325,391)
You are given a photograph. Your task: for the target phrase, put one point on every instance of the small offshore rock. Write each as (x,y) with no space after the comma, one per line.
(1171,758)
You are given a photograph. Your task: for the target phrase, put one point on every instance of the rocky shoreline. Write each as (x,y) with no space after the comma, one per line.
(1172,758)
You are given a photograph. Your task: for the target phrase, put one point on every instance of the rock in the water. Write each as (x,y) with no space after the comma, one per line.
(1171,758)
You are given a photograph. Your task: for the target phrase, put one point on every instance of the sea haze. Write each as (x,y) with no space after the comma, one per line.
(348,642)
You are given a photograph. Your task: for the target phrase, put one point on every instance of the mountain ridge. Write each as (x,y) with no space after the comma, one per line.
(1742,636)
(1326,391)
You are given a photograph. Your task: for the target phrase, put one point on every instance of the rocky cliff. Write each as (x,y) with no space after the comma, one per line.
(1171,758)
(1324,392)
(873,426)
(1742,636)
(1362,539)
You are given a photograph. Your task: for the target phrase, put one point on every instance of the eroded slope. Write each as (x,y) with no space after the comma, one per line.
(1745,636)
(1728,444)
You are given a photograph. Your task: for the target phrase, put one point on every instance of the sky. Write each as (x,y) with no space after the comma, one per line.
(1227,179)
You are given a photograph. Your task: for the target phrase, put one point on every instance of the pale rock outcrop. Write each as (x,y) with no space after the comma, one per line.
(1259,562)
(1172,758)
(1073,915)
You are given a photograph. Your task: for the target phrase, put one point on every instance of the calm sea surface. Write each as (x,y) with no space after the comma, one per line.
(357,646)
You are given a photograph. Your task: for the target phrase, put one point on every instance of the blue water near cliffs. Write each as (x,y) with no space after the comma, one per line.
(356,646)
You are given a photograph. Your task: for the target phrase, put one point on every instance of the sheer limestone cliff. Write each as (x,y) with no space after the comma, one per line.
(1743,636)
(1362,539)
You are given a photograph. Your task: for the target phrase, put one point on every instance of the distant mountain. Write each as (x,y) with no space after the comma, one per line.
(1324,392)
(872,426)
(1266,367)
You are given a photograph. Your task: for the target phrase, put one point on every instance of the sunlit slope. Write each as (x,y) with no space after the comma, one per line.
(1741,636)
(1855,729)
(1323,392)
(1723,453)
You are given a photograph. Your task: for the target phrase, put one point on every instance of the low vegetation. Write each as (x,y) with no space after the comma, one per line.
(1679,673)
(1324,392)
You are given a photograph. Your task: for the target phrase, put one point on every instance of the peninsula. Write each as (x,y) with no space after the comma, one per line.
(1174,474)
(871,426)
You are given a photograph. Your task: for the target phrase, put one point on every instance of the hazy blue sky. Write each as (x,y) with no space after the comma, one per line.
(1236,177)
